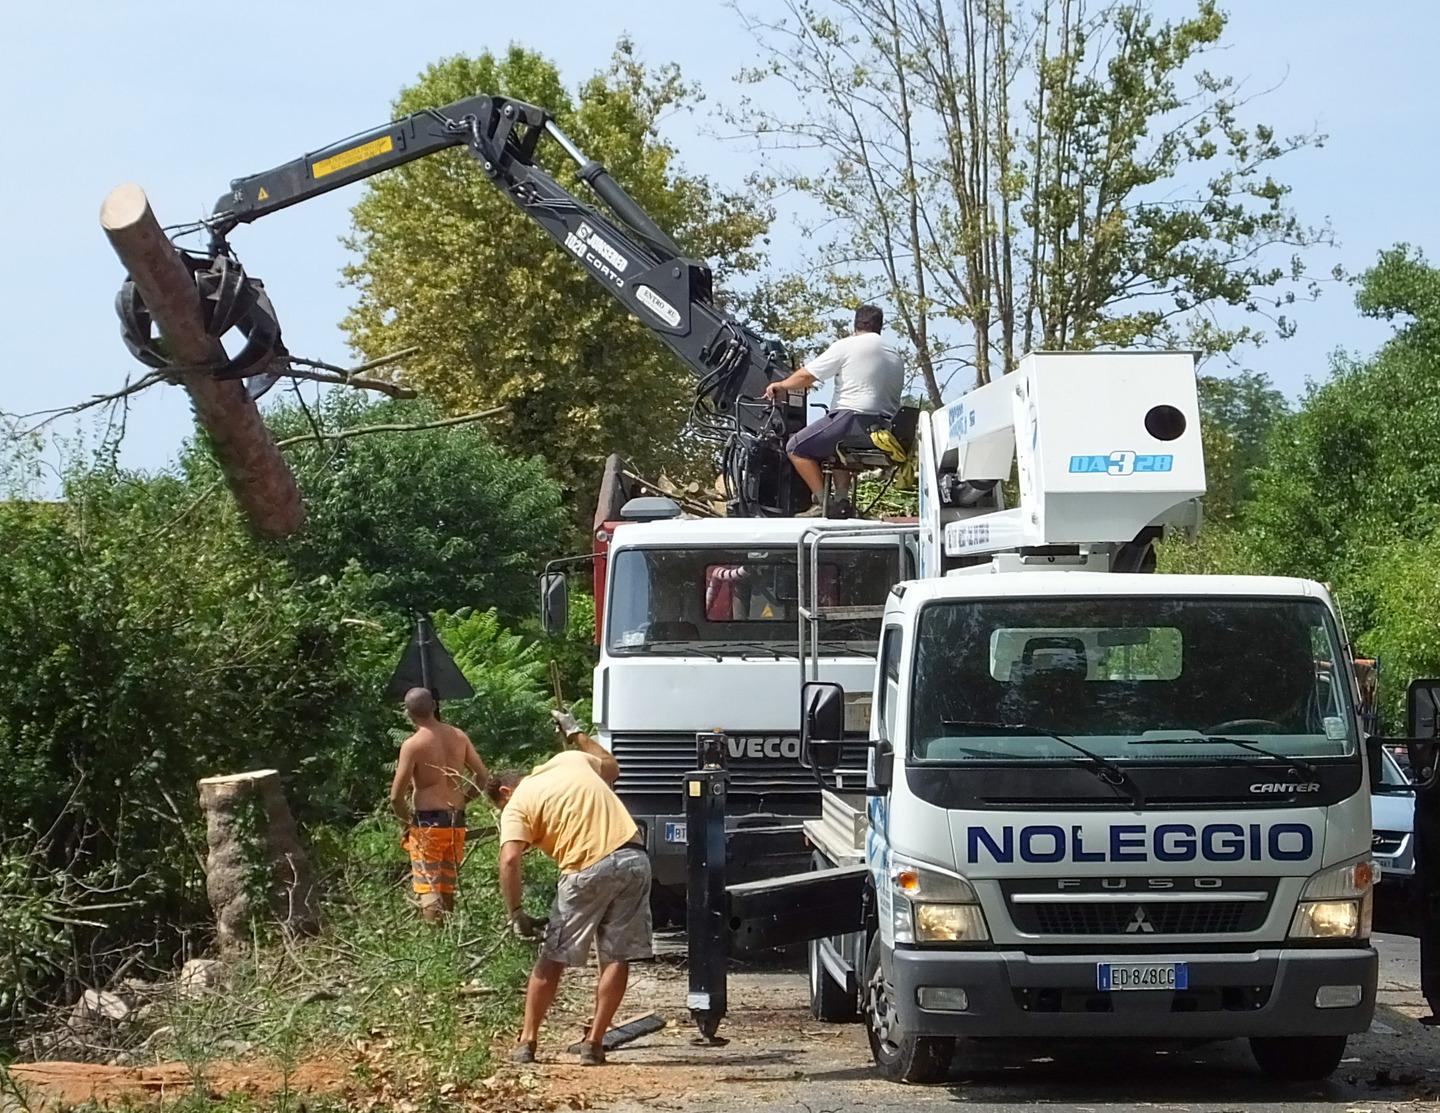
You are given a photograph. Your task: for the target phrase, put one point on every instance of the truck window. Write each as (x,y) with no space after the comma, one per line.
(890,679)
(723,600)
(1136,679)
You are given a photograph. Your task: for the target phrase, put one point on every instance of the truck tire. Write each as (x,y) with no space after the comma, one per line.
(899,1055)
(828,1001)
(667,907)
(1298,1058)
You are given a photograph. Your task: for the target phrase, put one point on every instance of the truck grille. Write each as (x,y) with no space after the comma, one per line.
(657,764)
(1387,844)
(1139,918)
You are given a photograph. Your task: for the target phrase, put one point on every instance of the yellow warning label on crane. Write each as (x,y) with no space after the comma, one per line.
(263,195)
(346,159)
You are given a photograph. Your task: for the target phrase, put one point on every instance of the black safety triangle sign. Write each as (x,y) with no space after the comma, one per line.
(426,663)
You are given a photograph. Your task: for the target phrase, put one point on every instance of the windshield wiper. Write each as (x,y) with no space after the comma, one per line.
(844,647)
(759,647)
(1297,765)
(671,649)
(1106,770)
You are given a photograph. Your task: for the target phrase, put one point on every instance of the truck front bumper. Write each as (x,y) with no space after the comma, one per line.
(1270,992)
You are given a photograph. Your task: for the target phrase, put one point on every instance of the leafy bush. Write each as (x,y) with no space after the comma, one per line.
(438,519)
(508,717)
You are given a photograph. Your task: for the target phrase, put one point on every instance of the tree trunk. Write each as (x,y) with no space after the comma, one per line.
(256,868)
(253,467)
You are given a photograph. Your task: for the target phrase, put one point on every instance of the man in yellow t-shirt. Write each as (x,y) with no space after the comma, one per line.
(567,808)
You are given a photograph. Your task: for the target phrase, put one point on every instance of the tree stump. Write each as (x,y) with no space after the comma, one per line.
(256,867)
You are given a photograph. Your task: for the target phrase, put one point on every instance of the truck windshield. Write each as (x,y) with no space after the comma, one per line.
(1131,679)
(742,601)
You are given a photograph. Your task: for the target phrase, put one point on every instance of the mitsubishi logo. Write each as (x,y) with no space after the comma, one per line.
(1139,922)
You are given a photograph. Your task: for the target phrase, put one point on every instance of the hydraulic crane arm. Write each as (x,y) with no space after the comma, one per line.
(623,249)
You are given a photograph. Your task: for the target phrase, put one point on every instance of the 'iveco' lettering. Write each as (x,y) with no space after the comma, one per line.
(1134,842)
(765,747)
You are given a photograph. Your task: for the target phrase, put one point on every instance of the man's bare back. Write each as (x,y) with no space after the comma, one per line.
(443,767)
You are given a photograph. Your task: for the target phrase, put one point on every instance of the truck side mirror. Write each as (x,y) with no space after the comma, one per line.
(1422,725)
(1375,759)
(884,768)
(554,602)
(822,723)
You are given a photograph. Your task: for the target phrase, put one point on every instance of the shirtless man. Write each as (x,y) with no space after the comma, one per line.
(439,767)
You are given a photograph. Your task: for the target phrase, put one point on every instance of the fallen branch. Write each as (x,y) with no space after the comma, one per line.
(322,372)
(311,370)
(53,415)
(693,507)
(390,427)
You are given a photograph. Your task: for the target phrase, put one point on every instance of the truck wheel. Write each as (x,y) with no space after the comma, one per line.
(828,1001)
(899,1055)
(667,907)
(1298,1058)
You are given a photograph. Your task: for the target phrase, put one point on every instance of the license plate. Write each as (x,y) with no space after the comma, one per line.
(675,832)
(1141,975)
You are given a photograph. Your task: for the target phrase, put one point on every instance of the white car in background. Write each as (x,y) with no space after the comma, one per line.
(1392,820)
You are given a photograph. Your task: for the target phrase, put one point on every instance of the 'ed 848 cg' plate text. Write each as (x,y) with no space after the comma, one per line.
(1141,975)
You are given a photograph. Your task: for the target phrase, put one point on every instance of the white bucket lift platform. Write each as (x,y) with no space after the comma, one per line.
(1107,446)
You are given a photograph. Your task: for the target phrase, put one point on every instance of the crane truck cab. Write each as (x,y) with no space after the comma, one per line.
(1096,803)
(699,628)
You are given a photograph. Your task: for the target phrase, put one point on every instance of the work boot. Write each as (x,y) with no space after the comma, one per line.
(814,511)
(844,508)
(592,1054)
(523,1053)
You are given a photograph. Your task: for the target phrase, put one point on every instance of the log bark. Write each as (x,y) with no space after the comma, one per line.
(256,867)
(253,467)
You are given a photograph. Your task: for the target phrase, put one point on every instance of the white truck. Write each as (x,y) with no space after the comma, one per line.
(1096,804)
(698,630)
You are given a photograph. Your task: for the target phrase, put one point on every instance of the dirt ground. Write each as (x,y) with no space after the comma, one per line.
(780,1060)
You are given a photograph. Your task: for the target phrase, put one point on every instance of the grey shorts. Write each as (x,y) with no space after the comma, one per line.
(608,903)
(819,439)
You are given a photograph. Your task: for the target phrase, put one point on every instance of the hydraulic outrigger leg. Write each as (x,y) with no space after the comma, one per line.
(706,922)
(756,915)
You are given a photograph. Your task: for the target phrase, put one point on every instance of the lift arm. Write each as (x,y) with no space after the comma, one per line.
(624,250)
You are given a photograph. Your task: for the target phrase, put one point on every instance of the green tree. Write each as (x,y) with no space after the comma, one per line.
(1237,414)
(144,645)
(1358,465)
(437,518)
(499,313)
(1349,485)
(1023,174)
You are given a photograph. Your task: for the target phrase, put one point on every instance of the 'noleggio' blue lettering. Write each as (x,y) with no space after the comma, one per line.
(1134,843)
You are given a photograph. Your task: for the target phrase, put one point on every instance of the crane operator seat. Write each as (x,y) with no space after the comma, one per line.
(886,443)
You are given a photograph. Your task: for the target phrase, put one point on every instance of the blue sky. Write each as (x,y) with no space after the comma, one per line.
(182,97)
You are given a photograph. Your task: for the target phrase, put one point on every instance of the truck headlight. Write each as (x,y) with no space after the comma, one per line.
(931,905)
(1336,903)
(949,923)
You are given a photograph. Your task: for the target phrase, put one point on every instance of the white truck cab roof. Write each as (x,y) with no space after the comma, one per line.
(742,531)
(915,593)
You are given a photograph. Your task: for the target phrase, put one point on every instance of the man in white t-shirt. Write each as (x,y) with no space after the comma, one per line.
(869,378)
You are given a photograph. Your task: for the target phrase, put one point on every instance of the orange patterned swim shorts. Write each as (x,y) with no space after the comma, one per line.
(436,842)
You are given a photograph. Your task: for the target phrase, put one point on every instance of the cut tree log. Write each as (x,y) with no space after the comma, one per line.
(253,467)
(256,867)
